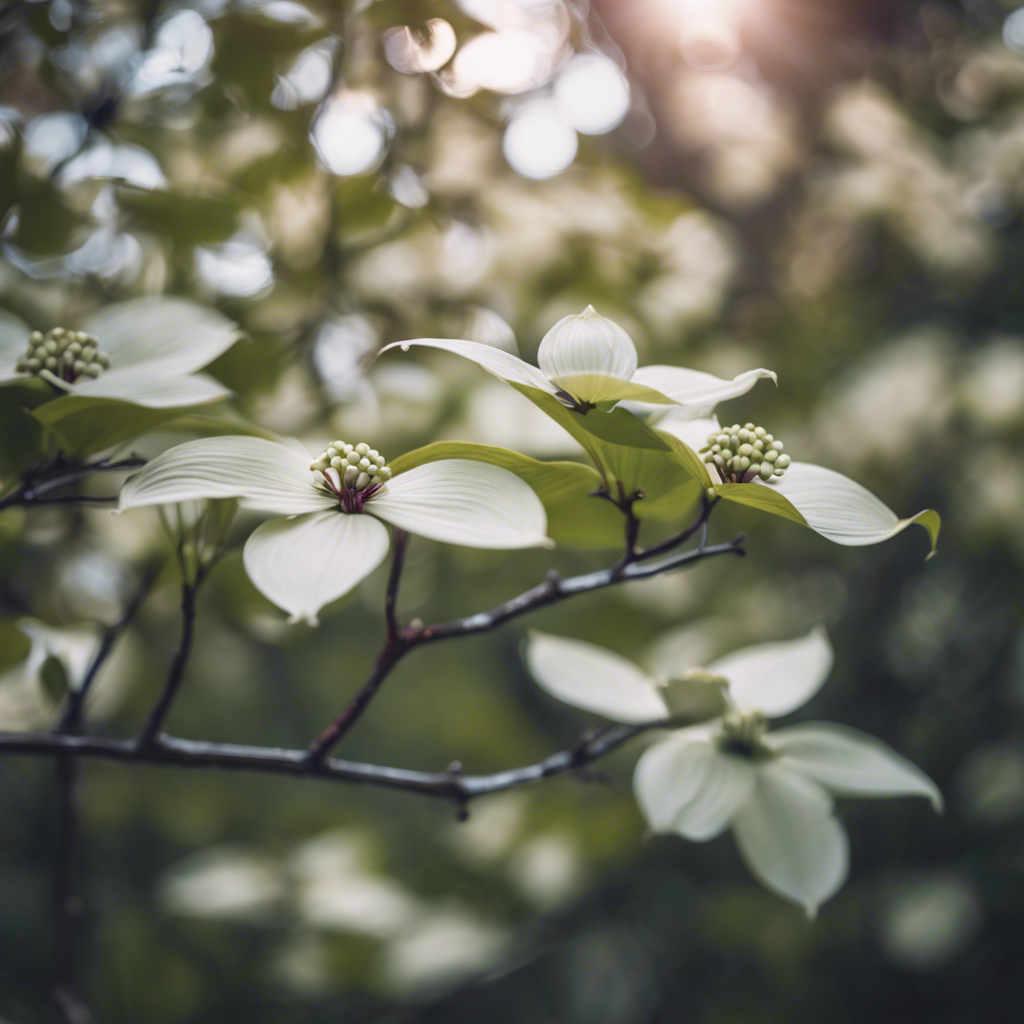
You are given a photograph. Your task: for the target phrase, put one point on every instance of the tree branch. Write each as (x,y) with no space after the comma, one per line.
(72,715)
(446,785)
(37,488)
(175,674)
(551,591)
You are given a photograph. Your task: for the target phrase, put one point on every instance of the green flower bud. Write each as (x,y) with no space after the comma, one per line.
(363,448)
(351,476)
(746,449)
(362,481)
(766,471)
(782,462)
(722,439)
(771,455)
(336,461)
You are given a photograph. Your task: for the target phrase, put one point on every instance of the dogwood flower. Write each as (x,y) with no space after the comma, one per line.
(331,533)
(587,360)
(774,788)
(748,465)
(144,351)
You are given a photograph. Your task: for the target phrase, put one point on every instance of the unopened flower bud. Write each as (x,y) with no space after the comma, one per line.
(362,448)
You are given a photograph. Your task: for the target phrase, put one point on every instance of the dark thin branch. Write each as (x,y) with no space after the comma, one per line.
(400,544)
(677,539)
(447,785)
(67,906)
(72,715)
(38,488)
(551,591)
(175,674)
(555,589)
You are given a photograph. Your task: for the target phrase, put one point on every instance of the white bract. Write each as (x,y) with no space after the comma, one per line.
(747,465)
(587,360)
(144,352)
(774,788)
(333,536)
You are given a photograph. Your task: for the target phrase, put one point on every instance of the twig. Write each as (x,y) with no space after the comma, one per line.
(400,544)
(72,715)
(446,785)
(551,591)
(151,730)
(35,488)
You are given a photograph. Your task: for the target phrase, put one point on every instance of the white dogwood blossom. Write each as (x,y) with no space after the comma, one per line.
(773,788)
(587,360)
(144,351)
(331,533)
(746,464)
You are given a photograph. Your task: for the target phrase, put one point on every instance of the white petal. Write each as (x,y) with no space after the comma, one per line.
(263,475)
(13,342)
(307,561)
(776,679)
(689,786)
(141,386)
(696,392)
(462,502)
(849,762)
(503,365)
(177,335)
(586,344)
(840,509)
(790,839)
(592,678)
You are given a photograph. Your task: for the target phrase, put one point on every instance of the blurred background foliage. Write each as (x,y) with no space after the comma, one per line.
(829,188)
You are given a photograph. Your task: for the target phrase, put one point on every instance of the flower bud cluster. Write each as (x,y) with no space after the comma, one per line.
(742,453)
(352,471)
(65,354)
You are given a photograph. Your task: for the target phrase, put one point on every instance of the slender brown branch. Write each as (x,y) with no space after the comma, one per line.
(175,674)
(447,785)
(677,539)
(72,715)
(555,589)
(38,488)
(400,544)
(551,591)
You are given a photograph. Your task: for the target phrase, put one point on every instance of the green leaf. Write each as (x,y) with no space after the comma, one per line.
(617,427)
(54,679)
(575,517)
(14,644)
(83,426)
(765,499)
(21,436)
(629,453)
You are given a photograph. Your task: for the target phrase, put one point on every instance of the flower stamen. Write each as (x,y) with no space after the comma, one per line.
(743,453)
(742,735)
(353,473)
(63,355)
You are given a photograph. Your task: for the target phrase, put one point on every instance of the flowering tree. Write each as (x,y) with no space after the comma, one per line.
(253,259)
